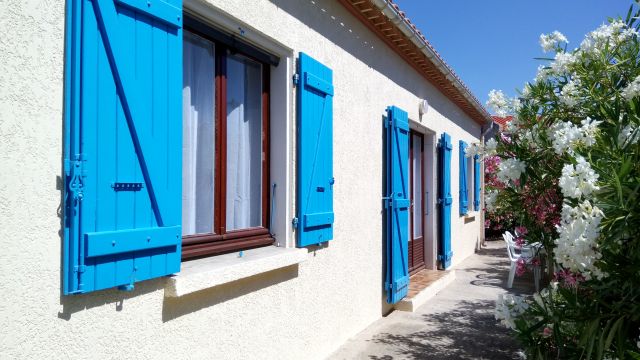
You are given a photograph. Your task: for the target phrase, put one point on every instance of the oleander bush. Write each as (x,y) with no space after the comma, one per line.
(567,168)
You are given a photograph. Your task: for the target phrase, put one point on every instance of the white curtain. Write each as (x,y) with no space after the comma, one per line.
(198,136)
(244,145)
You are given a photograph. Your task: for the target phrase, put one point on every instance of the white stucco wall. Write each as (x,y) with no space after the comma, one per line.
(303,311)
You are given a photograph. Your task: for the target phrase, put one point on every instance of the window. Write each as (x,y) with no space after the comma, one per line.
(225,147)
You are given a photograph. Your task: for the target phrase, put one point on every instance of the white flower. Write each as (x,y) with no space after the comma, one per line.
(589,129)
(579,180)
(498,102)
(509,307)
(510,169)
(566,136)
(576,246)
(629,135)
(490,147)
(473,150)
(569,94)
(549,41)
(532,136)
(563,61)
(512,126)
(632,90)
(490,200)
(542,74)
(613,34)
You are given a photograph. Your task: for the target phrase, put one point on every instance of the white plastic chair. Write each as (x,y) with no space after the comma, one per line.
(527,253)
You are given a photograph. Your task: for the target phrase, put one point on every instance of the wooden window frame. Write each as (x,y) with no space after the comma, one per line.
(223,241)
(416,268)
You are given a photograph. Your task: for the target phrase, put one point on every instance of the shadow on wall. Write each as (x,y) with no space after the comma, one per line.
(334,22)
(175,307)
(468,332)
(75,303)
(385,307)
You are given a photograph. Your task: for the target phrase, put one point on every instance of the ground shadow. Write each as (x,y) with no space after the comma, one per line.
(469,332)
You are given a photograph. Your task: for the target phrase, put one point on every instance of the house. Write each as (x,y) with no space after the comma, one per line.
(223,179)
(502,121)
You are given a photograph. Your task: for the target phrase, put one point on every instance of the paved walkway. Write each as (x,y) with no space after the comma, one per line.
(457,323)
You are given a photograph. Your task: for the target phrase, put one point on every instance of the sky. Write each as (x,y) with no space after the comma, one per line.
(491,44)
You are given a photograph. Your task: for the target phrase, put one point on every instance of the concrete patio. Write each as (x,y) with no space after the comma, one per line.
(457,323)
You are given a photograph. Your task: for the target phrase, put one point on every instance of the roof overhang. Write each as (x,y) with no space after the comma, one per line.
(384,18)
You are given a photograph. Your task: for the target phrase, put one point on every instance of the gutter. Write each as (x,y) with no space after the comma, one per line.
(386,7)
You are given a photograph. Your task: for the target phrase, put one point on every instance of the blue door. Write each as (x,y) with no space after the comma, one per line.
(397,204)
(444,200)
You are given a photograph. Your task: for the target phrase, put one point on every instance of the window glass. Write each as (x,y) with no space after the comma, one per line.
(198,135)
(244,143)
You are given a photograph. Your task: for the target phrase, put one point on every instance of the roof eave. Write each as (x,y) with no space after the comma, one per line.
(445,79)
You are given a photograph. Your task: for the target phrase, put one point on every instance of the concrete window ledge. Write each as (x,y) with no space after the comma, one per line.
(205,273)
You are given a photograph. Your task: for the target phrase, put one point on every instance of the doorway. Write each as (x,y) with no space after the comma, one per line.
(417,232)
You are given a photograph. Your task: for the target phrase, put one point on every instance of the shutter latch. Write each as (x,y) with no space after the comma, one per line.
(294,222)
(296,79)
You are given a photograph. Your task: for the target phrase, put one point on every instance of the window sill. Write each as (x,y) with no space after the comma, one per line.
(205,273)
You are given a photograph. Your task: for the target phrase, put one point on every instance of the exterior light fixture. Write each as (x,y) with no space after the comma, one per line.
(423,108)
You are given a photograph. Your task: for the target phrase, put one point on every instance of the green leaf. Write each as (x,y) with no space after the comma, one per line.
(612,332)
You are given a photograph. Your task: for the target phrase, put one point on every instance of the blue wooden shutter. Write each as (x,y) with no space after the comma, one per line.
(464,203)
(315,152)
(397,204)
(123,139)
(476,182)
(444,199)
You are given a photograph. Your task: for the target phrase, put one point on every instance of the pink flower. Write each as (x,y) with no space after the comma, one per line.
(569,279)
(521,267)
(535,261)
(519,242)
(547,332)
(521,230)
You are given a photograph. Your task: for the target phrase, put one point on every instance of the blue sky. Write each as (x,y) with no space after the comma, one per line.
(492,44)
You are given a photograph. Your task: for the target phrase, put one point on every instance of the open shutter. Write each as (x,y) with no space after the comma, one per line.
(397,204)
(315,152)
(123,143)
(464,203)
(476,182)
(444,199)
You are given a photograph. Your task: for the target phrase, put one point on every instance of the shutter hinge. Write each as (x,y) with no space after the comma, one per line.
(294,222)
(296,79)
(75,172)
(388,201)
(79,268)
